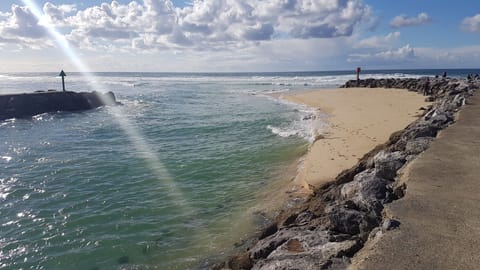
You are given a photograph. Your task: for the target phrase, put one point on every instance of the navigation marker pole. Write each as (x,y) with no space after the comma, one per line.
(62,73)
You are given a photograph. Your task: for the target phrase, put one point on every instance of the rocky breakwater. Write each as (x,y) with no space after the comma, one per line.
(30,104)
(335,223)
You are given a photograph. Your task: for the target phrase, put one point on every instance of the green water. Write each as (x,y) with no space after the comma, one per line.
(77,191)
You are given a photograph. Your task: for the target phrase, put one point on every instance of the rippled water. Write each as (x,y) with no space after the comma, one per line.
(169,180)
(78,192)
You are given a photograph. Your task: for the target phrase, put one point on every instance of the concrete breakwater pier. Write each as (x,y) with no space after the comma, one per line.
(30,104)
(391,204)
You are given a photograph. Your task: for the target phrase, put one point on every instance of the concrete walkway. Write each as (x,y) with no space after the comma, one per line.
(440,213)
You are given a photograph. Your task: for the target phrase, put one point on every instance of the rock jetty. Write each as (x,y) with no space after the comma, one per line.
(30,104)
(335,223)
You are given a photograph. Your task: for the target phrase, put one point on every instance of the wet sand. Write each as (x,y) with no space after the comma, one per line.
(359,119)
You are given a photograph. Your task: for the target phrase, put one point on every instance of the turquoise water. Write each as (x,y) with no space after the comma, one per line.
(79,191)
(169,180)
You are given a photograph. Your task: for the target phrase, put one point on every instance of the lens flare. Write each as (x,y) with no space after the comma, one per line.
(144,150)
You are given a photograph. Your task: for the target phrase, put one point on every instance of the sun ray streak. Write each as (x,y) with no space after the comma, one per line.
(144,150)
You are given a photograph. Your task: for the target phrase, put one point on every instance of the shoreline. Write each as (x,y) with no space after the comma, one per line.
(326,156)
(340,143)
(336,221)
(355,122)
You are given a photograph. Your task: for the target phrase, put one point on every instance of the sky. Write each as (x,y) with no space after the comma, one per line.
(237,35)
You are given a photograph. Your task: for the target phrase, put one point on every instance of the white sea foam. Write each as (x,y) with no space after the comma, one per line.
(309,124)
(259,83)
(127,83)
(6,158)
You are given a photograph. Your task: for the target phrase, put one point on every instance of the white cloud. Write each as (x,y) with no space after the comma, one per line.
(472,24)
(203,25)
(460,57)
(248,35)
(403,54)
(318,19)
(402,20)
(21,24)
(22,29)
(419,57)
(378,41)
(271,55)
(57,14)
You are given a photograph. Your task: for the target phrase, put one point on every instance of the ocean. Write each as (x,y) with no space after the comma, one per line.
(174,178)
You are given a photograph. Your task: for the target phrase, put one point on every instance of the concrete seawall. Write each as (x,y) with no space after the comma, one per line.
(440,213)
(30,104)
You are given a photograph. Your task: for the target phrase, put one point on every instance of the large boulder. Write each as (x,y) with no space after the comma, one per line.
(417,145)
(331,255)
(366,189)
(388,163)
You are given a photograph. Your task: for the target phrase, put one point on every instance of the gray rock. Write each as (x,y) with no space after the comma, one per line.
(328,255)
(352,222)
(442,119)
(390,224)
(459,100)
(304,243)
(419,129)
(266,246)
(367,190)
(388,163)
(345,221)
(417,145)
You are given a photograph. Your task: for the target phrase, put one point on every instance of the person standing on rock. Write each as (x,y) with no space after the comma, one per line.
(426,87)
(358,73)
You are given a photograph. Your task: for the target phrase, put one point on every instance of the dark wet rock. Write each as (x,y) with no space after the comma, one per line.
(267,245)
(345,221)
(27,105)
(290,219)
(271,229)
(123,260)
(240,262)
(304,218)
(351,222)
(429,99)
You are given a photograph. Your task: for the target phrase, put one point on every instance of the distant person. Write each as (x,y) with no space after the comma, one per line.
(426,87)
(358,73)
(444,74)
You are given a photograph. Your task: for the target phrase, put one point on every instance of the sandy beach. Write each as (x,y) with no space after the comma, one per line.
(359,119)
(395,202)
